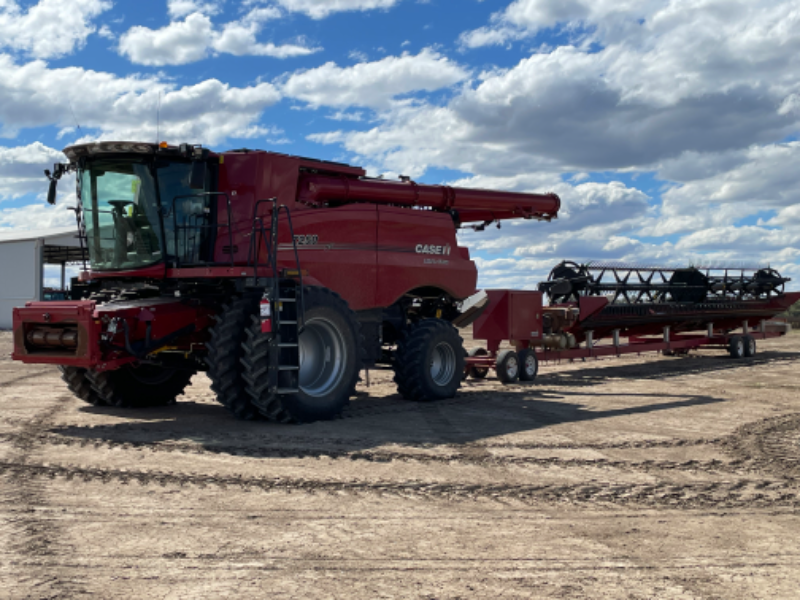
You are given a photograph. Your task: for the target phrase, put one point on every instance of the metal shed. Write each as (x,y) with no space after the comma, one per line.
(23,256)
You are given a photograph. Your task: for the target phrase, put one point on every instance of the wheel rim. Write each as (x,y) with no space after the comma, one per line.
(751,347)
(443,363)
(322,356)
(530,365)
(512,367)
(739,348)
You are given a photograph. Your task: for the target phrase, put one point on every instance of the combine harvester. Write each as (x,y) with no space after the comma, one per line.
(652,308)
(282,277)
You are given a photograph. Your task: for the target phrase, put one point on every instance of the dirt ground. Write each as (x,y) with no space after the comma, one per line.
(634,477)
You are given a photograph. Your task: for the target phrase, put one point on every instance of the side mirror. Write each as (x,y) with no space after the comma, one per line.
(51,193)
(197,181)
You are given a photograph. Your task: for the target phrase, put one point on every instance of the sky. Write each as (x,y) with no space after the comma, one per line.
(669,128)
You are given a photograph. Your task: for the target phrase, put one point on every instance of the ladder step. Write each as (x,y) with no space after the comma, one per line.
(288,368)
(282,322)
(287,345)
(288,390)
(287,299)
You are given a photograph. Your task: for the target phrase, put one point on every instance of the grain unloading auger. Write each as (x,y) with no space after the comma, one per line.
(605,309)
(280,276)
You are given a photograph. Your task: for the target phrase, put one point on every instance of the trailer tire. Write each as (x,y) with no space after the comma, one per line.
(528,365)
(331,341)
(429,361)
(79,384)
(478,372)
(145,386)
(225,353)
(736,346)
(749,346)
(508,366)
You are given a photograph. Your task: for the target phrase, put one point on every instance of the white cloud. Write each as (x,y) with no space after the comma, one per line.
(194,38)
(49,29)
(694,76)
(178,43)
(21,168)
(373,84)
(41,215)
(183,8)
(107,106)
(319,9)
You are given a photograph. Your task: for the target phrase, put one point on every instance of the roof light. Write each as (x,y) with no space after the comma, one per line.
(163,145)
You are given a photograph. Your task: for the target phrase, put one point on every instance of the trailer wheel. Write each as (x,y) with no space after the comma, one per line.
(478,372)
(429,361)
(225,355)
(144,386)
(330,360)
(529,365)
(80,385)
(508,366)
(749,346)
(736,346)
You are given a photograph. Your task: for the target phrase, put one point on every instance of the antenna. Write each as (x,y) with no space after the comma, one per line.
(158,118)
(73,115)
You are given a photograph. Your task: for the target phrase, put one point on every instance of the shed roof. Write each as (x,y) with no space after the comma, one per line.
(55,236)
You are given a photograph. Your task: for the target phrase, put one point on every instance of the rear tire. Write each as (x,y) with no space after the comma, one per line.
(736,346)
(225,355)
(508,366)
(80,385)
(749,346)
(529,365)
(429,361)
(330,351)
(140,387)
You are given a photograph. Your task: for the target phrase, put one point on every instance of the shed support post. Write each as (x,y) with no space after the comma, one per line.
(710,330)
(63,275)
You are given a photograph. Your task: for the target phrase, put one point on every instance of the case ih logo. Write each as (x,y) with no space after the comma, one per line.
(426,249)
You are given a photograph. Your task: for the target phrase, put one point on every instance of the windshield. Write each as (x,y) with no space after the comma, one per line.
(121,214)
(122,219)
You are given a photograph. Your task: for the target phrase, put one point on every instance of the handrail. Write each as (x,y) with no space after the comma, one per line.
(272,243)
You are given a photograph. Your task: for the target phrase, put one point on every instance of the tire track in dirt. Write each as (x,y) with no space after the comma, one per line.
(771,444)
(22,496)
(471,454)
(756,493)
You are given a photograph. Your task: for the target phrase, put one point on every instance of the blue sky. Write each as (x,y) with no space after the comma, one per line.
(668,127)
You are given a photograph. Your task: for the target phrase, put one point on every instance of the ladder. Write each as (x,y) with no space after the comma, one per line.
(285,296)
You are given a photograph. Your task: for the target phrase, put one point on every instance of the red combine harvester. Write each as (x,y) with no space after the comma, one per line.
(651,308)
(283,276)
(280,276)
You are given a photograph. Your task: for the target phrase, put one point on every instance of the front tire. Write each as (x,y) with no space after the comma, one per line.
(144,386)
(79,384)
(429,361)
(478,372)
(225,355)
(330,351)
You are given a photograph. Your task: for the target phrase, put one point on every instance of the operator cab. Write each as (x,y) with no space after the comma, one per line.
(141,205)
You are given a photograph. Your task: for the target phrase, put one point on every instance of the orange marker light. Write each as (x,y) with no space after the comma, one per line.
(163,145)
